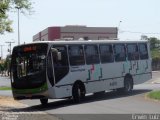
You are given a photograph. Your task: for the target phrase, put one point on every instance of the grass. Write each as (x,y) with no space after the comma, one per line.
(5,88)
(154,95)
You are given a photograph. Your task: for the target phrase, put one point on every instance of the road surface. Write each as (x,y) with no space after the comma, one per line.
(5,81)
(96,107)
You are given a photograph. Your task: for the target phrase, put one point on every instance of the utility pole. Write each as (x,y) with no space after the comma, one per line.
(1,51)
(18,10)
(10,45)
(118,29)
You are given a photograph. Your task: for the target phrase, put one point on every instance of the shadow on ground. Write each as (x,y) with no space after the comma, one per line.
(69,102)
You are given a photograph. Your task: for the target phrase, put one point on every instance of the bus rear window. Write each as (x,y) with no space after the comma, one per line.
(143,51)
(132,51)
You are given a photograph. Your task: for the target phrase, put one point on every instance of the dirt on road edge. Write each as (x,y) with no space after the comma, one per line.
(11,109)
(10,102)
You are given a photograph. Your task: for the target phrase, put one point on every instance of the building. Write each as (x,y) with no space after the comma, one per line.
(76,32)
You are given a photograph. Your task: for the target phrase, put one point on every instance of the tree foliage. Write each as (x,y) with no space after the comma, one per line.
(154,43)
(25,6)
(155,47)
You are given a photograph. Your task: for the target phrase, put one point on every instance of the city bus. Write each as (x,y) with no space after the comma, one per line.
(71,69)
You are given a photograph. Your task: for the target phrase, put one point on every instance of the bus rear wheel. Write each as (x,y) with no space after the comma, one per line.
(78,93)
(128,85)
(44,101)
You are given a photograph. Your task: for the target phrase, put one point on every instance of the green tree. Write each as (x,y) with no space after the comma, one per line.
(154,43)
(155,52)
(155,48)
(6,6)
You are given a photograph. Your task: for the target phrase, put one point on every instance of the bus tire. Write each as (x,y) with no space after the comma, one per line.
(78,92)
(128,85)
(44,101)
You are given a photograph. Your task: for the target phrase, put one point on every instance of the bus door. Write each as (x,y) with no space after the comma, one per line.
(59,62)
(50,68)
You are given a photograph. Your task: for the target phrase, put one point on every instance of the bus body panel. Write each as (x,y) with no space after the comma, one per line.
(138,79)
(66,90)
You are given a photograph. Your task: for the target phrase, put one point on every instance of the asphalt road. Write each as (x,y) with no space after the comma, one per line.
(5,81)
(108,103)
(96,107)
(103,106)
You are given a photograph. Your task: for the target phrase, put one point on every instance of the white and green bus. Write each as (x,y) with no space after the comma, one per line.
(71,69)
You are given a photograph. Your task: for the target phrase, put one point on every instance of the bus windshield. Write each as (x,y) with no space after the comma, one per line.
(29,64)
(29,61)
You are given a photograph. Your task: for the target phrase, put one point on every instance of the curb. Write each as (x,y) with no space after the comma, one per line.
(156,71)
(155,82)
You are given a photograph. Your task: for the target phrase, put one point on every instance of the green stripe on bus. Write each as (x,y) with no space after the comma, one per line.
(31,91)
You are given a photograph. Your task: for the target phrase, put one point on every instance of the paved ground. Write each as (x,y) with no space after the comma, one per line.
(14,110)
(98,107)
(108,103)
(5,81)
(156,77)
(92,107)
(11,113)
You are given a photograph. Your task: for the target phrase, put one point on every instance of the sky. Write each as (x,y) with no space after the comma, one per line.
(138,17)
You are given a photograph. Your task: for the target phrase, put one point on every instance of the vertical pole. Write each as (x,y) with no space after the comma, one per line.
(1,51)
(18,27)
(10,48)
(118,29)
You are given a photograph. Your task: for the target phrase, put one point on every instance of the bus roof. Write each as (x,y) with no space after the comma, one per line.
(87,42)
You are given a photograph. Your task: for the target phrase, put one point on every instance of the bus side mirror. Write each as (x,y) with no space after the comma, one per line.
(59,56)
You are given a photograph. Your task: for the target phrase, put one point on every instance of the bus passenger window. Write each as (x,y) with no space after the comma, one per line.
(143,51)
(120,52)
(92,56)
(132,52)
(76,55)
(106,53)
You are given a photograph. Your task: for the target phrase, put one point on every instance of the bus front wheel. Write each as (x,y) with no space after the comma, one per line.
(44,101)
(78,93)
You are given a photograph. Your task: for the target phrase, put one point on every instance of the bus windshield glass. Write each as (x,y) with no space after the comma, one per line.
(29,59)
